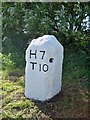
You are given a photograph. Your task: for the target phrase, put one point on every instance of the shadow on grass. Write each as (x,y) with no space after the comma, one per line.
(69,103)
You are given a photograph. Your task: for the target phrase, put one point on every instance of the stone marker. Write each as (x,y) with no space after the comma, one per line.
(43,73)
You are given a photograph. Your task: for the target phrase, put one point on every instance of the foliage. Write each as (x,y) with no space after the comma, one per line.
(7,62)
(22,22)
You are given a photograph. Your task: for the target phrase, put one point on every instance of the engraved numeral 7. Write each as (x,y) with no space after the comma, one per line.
(43,53)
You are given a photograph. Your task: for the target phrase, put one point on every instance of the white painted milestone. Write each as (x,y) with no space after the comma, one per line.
(43,72)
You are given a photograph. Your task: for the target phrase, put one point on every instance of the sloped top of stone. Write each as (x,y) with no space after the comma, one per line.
(46,40)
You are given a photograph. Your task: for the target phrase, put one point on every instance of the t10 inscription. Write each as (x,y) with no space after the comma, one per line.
(43,67)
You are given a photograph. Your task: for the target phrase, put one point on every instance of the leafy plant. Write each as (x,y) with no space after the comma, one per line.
(7,63)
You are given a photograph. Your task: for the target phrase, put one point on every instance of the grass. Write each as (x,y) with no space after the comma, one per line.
(71,102)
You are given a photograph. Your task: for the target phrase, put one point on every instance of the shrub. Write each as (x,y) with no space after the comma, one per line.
(7,63)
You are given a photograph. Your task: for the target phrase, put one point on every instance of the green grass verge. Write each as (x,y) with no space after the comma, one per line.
(71,102)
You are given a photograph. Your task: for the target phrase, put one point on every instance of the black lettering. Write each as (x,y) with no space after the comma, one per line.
(33,63)
(42,54)
(39,67)
(45,67)
(33,53)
